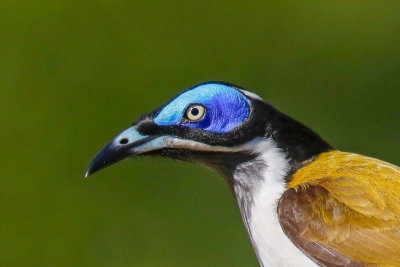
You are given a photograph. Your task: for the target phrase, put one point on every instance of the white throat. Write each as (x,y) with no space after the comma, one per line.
(259,212)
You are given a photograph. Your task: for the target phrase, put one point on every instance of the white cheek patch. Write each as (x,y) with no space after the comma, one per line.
(193,145)
(165,142)
(253,145)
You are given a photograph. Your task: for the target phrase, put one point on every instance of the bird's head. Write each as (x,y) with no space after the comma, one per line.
(218,124)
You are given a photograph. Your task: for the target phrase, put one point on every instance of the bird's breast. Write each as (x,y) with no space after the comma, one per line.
(272,246)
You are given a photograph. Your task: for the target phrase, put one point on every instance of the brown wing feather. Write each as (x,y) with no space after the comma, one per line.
(344,210)
(297,217)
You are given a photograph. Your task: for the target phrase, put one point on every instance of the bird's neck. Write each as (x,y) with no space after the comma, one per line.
(266,166)
(299,142)
(258,185)
(283,147)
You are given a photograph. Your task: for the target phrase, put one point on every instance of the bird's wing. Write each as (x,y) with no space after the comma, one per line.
(343,209)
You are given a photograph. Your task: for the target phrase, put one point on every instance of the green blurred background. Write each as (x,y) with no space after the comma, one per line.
(73,74)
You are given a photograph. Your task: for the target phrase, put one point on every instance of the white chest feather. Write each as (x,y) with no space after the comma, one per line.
(272,246)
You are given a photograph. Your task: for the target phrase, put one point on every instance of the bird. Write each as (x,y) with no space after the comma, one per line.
(302,201)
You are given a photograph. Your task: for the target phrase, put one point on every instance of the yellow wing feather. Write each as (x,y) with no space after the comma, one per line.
(356,208)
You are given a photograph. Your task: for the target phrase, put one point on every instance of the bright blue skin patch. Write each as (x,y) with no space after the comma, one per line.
(226,108)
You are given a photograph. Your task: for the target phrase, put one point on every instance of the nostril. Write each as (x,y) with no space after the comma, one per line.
(124,141)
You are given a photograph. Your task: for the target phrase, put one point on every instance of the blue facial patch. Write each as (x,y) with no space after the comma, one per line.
(226,108)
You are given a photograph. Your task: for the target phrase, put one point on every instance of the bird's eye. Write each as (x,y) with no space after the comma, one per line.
(195,112)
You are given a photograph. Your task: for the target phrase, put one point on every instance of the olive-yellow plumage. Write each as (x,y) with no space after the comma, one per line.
(353,206)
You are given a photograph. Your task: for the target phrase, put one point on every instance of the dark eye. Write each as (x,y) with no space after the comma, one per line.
(195,112)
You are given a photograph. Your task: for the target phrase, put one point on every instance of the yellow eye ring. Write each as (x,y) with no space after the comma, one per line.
(195,112)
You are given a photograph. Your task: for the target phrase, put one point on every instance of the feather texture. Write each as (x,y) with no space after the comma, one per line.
(349,203)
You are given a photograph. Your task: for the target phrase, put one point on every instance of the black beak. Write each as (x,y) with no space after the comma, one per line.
(123,146)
